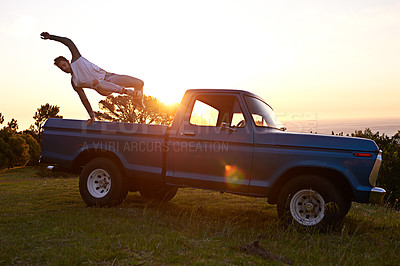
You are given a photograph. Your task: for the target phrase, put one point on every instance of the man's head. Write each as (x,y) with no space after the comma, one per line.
(62,63)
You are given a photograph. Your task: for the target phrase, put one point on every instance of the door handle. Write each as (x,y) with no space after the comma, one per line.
(188,133)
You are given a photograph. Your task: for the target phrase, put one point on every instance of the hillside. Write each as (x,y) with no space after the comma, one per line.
(43,220)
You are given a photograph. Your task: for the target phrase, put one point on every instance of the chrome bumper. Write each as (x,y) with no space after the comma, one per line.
(375,169)
(376,195)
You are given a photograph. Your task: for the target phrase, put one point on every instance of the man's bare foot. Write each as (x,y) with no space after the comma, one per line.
(138,99)
(132,93)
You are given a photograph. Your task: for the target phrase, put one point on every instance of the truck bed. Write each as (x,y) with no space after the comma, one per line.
(138,146)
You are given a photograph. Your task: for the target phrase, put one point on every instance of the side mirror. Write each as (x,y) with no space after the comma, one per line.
(224,126)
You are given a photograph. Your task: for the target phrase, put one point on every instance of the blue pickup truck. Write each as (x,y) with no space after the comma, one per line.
(222,140)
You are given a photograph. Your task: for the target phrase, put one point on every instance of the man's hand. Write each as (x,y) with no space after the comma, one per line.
(90,121)
(45,35)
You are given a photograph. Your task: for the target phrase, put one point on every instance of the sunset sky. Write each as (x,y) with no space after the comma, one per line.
(328,59)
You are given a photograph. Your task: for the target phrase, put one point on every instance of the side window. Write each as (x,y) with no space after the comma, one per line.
(237,120)
(259,120)
(215,109)
(262,113)
(237,116)
(203,115)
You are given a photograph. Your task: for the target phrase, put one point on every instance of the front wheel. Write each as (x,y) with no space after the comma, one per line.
(101,183)
(311,202)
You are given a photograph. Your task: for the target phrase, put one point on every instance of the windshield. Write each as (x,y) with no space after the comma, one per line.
(262,113)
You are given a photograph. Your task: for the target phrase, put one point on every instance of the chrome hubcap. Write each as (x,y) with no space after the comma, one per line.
(99,183)
(307,207)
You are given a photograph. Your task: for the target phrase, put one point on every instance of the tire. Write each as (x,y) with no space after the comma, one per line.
(101,183)
(346,208)
(311,202)
(158,193)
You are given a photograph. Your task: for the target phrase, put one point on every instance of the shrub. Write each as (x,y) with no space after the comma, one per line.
(34,149)
(5,153)
(389,173)
(19,151)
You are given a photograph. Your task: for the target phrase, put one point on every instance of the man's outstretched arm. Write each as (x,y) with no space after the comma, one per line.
(67,42)
(86,103)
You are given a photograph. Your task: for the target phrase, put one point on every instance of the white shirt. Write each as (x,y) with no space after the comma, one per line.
(84,72)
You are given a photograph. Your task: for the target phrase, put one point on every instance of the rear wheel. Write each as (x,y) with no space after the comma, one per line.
(311,202)
(162,193)
(101,183)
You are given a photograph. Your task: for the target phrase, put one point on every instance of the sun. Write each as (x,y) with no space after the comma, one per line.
(165,94)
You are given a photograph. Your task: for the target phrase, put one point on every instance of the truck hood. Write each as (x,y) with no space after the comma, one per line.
(301,140)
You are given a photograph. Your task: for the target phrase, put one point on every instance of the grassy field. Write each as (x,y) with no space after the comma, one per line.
(44,221)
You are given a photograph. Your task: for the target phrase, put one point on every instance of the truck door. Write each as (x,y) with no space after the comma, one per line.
(213,147)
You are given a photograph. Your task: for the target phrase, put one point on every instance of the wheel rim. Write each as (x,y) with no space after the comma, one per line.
(99,183)
(307,207)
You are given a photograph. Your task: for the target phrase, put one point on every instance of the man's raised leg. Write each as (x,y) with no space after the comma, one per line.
(126,81)
(130,82)
(106,88)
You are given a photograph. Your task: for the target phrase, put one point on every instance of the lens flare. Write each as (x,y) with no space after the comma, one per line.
(233,175)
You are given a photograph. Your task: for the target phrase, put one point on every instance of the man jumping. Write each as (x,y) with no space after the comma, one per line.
(87,75)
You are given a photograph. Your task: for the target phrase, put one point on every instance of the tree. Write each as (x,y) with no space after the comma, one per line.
(19,151)
(30,131)
(33,149)
(5,154)
(389,173)
(42,114)
(122,109)
(13,149)
(17,148)
(1,118)
(13,125)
